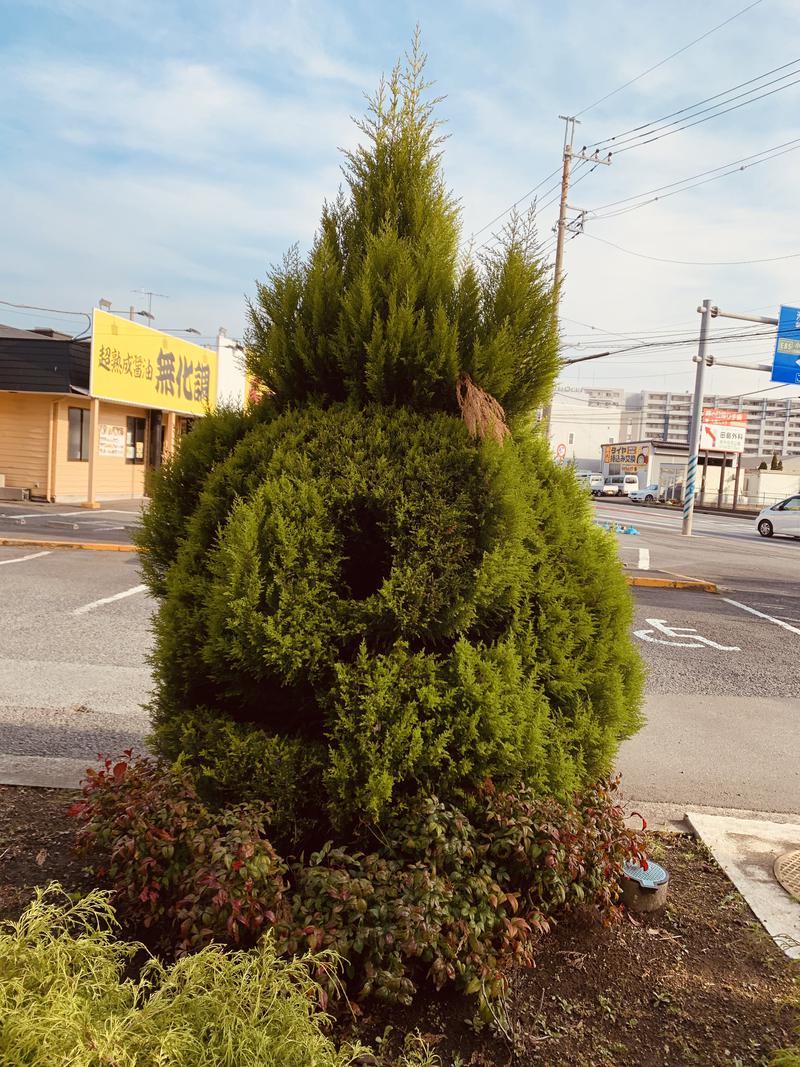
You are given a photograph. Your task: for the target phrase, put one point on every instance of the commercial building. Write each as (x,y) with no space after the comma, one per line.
(773,425)
(582,420)
(82,421)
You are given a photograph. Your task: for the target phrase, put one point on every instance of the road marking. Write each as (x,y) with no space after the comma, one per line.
(109,599)
(761,615)
(644,559)
(21,559)
(695,640)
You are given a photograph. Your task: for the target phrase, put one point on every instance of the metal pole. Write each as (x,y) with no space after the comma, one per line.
(697,414)
(703,479)
(736,483)
(722,480)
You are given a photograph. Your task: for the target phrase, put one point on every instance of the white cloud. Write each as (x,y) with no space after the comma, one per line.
(190,111)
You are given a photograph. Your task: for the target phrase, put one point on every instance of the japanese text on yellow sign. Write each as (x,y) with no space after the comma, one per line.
(135,365)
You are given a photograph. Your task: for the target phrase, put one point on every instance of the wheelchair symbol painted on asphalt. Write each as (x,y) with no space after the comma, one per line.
(682,637)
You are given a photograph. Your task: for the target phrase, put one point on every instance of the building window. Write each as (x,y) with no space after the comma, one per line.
(572,438)
(78,436)
(134,440)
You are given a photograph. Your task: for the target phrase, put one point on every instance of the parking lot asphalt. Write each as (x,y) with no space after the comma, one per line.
(74,636)
(722,701)
(112,523)
(722,698)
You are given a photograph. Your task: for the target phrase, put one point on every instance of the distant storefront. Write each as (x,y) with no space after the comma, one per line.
(84,421)
(663,463)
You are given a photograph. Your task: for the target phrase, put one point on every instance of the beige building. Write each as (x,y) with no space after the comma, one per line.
(60,442)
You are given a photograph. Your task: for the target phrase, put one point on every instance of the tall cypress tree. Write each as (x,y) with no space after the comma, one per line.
(377,583)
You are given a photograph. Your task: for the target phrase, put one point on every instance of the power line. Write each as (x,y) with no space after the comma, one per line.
(516,203)
(52,311)
(617,137)
(694,262)
(767,153)
(661,62)
(613,93)
(689,125)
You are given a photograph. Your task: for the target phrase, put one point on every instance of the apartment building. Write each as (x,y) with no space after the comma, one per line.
(773,425)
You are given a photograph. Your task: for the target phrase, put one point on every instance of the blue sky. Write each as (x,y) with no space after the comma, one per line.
(183,147)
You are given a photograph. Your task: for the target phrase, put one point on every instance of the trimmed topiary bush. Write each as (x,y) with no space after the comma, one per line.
(366,597)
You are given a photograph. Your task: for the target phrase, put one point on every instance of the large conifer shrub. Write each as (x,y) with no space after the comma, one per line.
(360,600)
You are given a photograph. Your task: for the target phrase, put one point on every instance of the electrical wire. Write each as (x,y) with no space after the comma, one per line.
(694,262)
(516,203)
(768,154)
(661,62)
(617,137)
(53,311)
(661,135)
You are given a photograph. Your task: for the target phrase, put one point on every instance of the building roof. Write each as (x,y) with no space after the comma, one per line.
(39,333)
(32,362)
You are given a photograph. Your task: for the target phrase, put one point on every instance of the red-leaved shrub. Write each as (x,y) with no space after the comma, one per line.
(444,894)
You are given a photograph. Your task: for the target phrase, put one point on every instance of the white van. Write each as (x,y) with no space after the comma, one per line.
(620,484)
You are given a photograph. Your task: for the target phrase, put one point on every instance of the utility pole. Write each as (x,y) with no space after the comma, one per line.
(702,360)
(561,226)
(569,136)
(697,416)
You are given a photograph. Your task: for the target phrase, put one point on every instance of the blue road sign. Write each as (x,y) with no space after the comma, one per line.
(786,364)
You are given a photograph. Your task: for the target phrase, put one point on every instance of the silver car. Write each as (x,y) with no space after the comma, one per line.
(781,518)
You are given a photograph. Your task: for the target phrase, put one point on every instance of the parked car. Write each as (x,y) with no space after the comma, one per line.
(620,484)
(780,518)
(649,495)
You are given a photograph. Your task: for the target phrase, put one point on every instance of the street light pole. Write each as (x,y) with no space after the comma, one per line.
(697,416)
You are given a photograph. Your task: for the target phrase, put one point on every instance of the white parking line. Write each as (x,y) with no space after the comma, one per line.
(109,599)
(21,559)
(761,615)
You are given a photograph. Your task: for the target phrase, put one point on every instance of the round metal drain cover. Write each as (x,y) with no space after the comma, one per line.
(787,871)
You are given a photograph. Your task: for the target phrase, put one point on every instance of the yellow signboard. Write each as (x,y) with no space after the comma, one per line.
(632,457)
(133,364)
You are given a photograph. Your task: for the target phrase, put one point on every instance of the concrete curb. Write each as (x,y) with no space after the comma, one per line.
(670,816)
(43,772)
(671,583)
(93,546)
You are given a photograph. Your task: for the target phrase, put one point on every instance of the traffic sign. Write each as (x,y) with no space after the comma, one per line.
(561,451)
(786,364)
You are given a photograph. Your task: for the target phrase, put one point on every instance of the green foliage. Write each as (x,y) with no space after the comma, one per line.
(373,588)
(176,487)
(382,311)
(65,1000)
(453,895)
(190,875)
(459,895)
(362,604)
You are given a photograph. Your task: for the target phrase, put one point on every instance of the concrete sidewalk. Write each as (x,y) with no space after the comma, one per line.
(746,850)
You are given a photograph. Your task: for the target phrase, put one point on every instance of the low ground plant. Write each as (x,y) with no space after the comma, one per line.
(65,1000)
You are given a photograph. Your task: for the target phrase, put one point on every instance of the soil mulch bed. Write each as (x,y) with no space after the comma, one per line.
(699,983)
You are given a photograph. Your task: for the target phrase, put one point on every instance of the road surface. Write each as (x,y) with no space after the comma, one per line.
(723,689)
